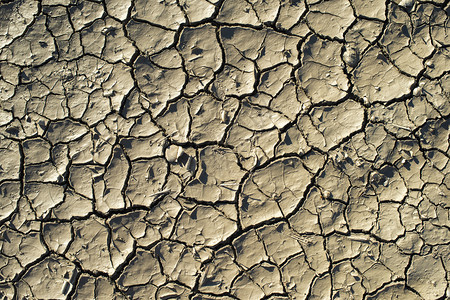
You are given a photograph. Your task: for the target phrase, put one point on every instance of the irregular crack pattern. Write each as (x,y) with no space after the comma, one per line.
(224,149)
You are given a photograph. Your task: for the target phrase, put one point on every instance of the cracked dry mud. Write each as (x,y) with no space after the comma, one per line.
(224,149)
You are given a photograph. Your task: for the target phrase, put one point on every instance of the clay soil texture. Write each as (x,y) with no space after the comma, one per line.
(224,149)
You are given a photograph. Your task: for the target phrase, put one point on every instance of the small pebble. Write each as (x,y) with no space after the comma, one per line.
(224,117)
(351,57)
(417,91)
(327,194)
(406,3)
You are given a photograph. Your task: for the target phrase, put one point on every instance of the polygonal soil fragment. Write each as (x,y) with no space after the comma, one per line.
(146,180)
(397,39)
(65,131)
(233,81)
(176,120)
(202,56)
(52,278)
(389,226)
(434,65)
(277,48)
(218,176)
(10,155)
(142,269)
(237,12)
(57,236)
(359,37)
(297,276)
(277,188)
(108,34)
(289,13)
(333,182)
(254,148)
(330,212)
(238,76)
(377,80)
(101,288)
(218,275)
(15,18)
(26,248)
(426,275)
(164,13)
(197,10)
(34,47)
(118,9)
(249,249)
(90,246)
(203,226)
(9,195)
(361,209)
(178,262)
(74,205)
(321,75)
(262,280)
(82,177)
(330,18)
(145,147)
(43,197)
(346,281)
(210,117)
(280,242)
(327,126)
(108,193)
(388,184)
(435,134)
(239,45)
(160,38)
(370,9)
(84,13)
(159,84)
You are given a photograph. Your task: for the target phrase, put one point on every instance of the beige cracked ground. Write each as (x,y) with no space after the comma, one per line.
(224,149)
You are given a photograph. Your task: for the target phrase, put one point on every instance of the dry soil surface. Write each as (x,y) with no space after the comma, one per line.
(224,149)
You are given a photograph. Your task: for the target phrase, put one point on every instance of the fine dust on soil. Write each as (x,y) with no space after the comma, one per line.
(224,149)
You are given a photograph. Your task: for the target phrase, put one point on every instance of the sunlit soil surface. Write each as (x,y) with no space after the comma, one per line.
(224,149)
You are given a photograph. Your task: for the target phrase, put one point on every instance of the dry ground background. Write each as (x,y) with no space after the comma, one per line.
(224,149)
